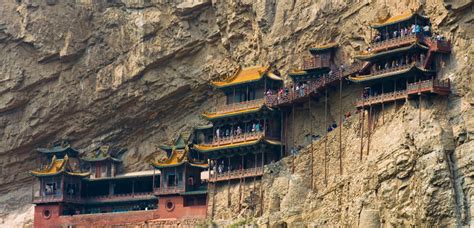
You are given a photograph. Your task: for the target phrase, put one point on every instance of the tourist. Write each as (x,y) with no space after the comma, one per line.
(257,127)
(239,130)
(413,29)
(334,125)
(426,30)
(417,29)
(253,127)
(329,128)
(218,131)
(395,34)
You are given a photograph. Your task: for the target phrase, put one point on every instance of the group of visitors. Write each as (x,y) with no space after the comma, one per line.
(401,61)
(220,167)
(231,131)
(402,32)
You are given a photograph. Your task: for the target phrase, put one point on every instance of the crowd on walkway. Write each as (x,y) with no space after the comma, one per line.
(237,131)
(402,32)
(399,62)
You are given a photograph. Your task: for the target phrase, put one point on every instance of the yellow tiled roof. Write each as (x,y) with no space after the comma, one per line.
(205,147)
(177,157)
(396,18)
(246,75)
(57,166)
(325,46)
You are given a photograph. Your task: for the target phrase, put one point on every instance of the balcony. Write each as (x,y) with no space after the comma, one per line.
(394,43)
(119,197)
(170,190)
(427,86)
(238,106)
(233,139)
(236,174)
(56,198)
(431,86)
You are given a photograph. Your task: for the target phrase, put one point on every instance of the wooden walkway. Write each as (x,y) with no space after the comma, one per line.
(236,174)
(312,87)
(417,88)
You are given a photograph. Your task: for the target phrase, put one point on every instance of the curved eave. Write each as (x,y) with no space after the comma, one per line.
(359,79)
(390,52)
(43,174)
(323,48)
(269,75)
(163,165)
(102,159)
(236,113)
(57,150)
(206,149)
(398,19)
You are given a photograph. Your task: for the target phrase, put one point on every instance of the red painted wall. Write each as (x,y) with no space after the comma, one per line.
(178,211)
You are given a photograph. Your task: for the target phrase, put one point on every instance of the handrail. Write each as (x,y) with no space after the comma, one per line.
(415,87)
(238,106)
(249,172)
(235,138)
(170,189)
(393,41)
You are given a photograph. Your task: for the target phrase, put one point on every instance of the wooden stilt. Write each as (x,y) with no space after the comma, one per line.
(369,129)
(326,138)
(281,134)
(261,185)
(340,126)
(362,114)
(311,141)
(228,186)
(214,191)
(383,108)
(293,138)
(208,182)
(419,101)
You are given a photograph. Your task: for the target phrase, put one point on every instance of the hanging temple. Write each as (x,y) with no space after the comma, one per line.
(245,133)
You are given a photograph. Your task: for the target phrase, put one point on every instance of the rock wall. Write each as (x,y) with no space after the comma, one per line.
(135,73)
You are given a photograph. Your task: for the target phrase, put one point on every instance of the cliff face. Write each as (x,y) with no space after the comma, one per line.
(134,73)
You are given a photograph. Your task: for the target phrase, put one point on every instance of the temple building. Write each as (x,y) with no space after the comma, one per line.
(73,189)
(401,61)
(245,133)
(180,190)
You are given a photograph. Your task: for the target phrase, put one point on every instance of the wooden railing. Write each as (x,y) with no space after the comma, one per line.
(392,69)
(56,198)
(236,174)
(435,86)
(235,139)
(238,106)
(311,87)
(385,97)
(394,42)
(118,197)
(167,190)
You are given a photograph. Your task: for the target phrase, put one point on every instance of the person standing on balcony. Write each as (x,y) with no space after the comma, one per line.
(239,130)
(218,133)
(257,127)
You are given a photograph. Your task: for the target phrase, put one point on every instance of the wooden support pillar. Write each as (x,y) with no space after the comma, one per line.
(228,185)
(340,126)
(383,108)
(369,128)
(208,182)
(261,184)
(326,138)
(362,115)
(153,187)
(281,135)
(311,141)
(419,101)
(293,138)
(240,183)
